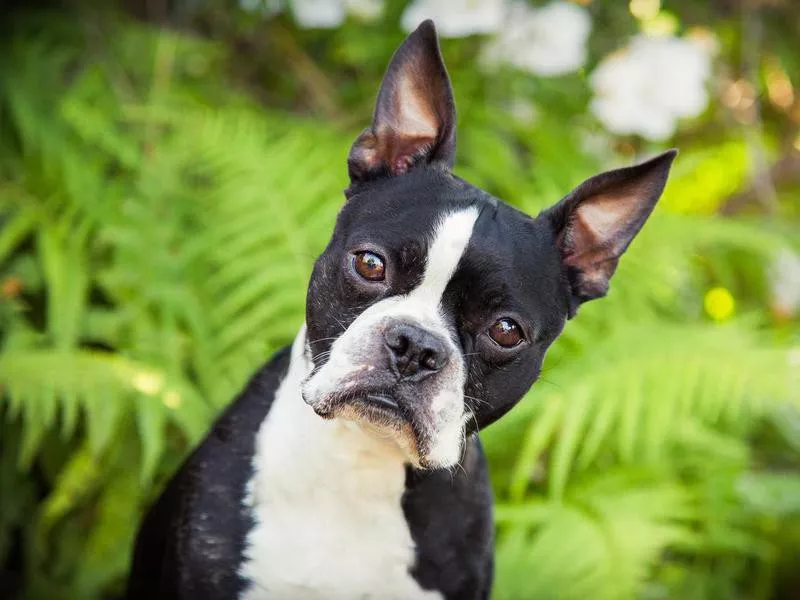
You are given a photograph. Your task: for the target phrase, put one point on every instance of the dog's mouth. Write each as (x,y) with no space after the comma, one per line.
(380,405)
(380,412)
(398,413)
(382,401)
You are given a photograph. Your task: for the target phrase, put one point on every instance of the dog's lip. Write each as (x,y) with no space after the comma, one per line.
(383,403)
(383,400)
(374,400)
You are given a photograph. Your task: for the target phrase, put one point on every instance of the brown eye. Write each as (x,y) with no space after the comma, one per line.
(370,266)
(506,332)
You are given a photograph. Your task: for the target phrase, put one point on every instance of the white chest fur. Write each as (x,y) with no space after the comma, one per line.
(326,498)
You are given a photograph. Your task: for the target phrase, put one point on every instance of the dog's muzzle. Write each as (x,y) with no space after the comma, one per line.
(399,376)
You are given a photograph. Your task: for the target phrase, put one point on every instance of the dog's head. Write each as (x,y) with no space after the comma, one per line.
(430,311)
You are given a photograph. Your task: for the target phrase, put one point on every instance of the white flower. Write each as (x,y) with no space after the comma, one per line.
(329,14)
(456,18)
(318,14)
(545,41)
(785,283)
(651,84)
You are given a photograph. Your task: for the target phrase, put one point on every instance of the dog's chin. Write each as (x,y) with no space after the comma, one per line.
(378,414)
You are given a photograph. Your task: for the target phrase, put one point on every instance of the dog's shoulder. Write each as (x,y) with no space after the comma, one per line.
(193,538)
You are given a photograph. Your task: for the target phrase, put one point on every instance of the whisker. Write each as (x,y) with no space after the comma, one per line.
(458,464)
(555,384)
(474,419)
(478,400)
(327,339)
(321,356)
(455,469)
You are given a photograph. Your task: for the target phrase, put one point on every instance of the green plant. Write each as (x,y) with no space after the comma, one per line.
(158,232)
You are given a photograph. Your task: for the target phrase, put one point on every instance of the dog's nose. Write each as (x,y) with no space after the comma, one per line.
(414,352)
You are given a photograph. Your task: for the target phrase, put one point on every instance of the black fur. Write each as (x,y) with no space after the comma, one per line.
(192,540)
(455,544)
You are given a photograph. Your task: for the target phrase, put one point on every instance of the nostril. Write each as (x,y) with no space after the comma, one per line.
(402,345)
(428,360)
(398,342)
(432,359)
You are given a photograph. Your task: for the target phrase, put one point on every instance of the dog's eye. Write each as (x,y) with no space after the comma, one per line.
(506,332)
(369,265)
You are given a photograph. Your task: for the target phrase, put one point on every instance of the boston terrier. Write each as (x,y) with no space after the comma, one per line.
(350,466)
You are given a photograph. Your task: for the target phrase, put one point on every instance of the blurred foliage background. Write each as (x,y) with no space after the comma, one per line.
(170,169)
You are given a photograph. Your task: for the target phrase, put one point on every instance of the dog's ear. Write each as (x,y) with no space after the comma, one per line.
(415,117)
(595,223)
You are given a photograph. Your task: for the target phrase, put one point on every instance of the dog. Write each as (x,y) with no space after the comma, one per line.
(350,466)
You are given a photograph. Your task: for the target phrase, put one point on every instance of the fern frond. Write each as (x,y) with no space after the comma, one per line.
(673,375)
(600,542)
(105,387)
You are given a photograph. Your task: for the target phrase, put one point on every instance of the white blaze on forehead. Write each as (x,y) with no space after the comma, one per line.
(450,239)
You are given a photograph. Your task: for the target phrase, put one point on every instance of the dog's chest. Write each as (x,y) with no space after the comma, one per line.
(327,505)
